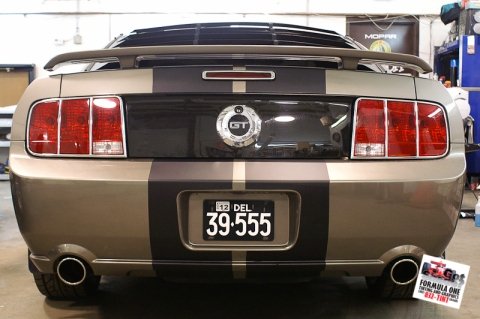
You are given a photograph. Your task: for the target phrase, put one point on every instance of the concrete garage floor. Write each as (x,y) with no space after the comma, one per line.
(151,298)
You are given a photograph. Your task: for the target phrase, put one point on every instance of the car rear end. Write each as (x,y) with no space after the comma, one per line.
(236,162)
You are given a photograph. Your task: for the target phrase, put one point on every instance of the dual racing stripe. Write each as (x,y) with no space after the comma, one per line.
(169,178)
(306,258)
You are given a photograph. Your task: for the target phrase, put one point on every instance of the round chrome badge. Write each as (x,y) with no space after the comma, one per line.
(238,125)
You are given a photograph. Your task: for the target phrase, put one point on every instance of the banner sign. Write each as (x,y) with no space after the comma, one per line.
(441,281)
(399,35)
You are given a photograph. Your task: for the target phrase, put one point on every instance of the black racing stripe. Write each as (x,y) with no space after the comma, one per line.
(292,80)
(166,181)
(187,80)
(194,271)
(313,234)
(310,180)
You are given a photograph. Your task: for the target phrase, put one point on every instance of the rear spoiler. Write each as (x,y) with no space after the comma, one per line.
(350,58)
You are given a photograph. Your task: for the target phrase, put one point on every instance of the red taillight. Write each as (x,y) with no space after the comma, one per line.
(43,128)
(370,128)
(74,127)
(432,129)
(107,127)
(402,129)
(414,129)
(79,126)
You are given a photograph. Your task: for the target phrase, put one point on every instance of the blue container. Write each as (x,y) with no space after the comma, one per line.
(477,213)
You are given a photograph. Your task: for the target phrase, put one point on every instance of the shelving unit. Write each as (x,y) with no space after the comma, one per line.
(467,76)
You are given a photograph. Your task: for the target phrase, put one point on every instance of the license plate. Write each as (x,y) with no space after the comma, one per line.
(238,220)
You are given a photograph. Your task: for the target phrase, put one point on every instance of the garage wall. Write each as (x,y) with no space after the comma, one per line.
(12,85)
(35,30)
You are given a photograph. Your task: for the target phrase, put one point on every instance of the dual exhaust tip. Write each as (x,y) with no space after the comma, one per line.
(72,271)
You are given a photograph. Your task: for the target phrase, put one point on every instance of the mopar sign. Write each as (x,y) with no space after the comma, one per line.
(398,35)
(380,36)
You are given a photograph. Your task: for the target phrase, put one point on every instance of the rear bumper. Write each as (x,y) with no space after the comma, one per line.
(123,216)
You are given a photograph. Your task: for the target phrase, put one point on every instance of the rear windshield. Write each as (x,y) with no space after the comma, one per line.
(186,127)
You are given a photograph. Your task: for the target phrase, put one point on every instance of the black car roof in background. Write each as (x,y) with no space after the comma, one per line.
(235,33)
(147,47)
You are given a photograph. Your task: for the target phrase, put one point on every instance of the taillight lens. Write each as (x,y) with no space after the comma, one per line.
(107,127)
(432,128)
(402,129)
(74,127)
(78,126)
(43,128)
(370,128)
(414,129)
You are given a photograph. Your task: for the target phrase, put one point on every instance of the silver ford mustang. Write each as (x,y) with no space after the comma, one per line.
(241,151)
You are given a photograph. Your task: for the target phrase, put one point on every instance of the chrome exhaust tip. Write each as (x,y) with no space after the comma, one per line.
(404,271)
(71,271)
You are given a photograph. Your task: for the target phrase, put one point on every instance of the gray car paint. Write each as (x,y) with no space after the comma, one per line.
(98,209)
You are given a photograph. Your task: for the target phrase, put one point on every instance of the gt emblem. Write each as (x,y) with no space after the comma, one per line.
(238,125)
